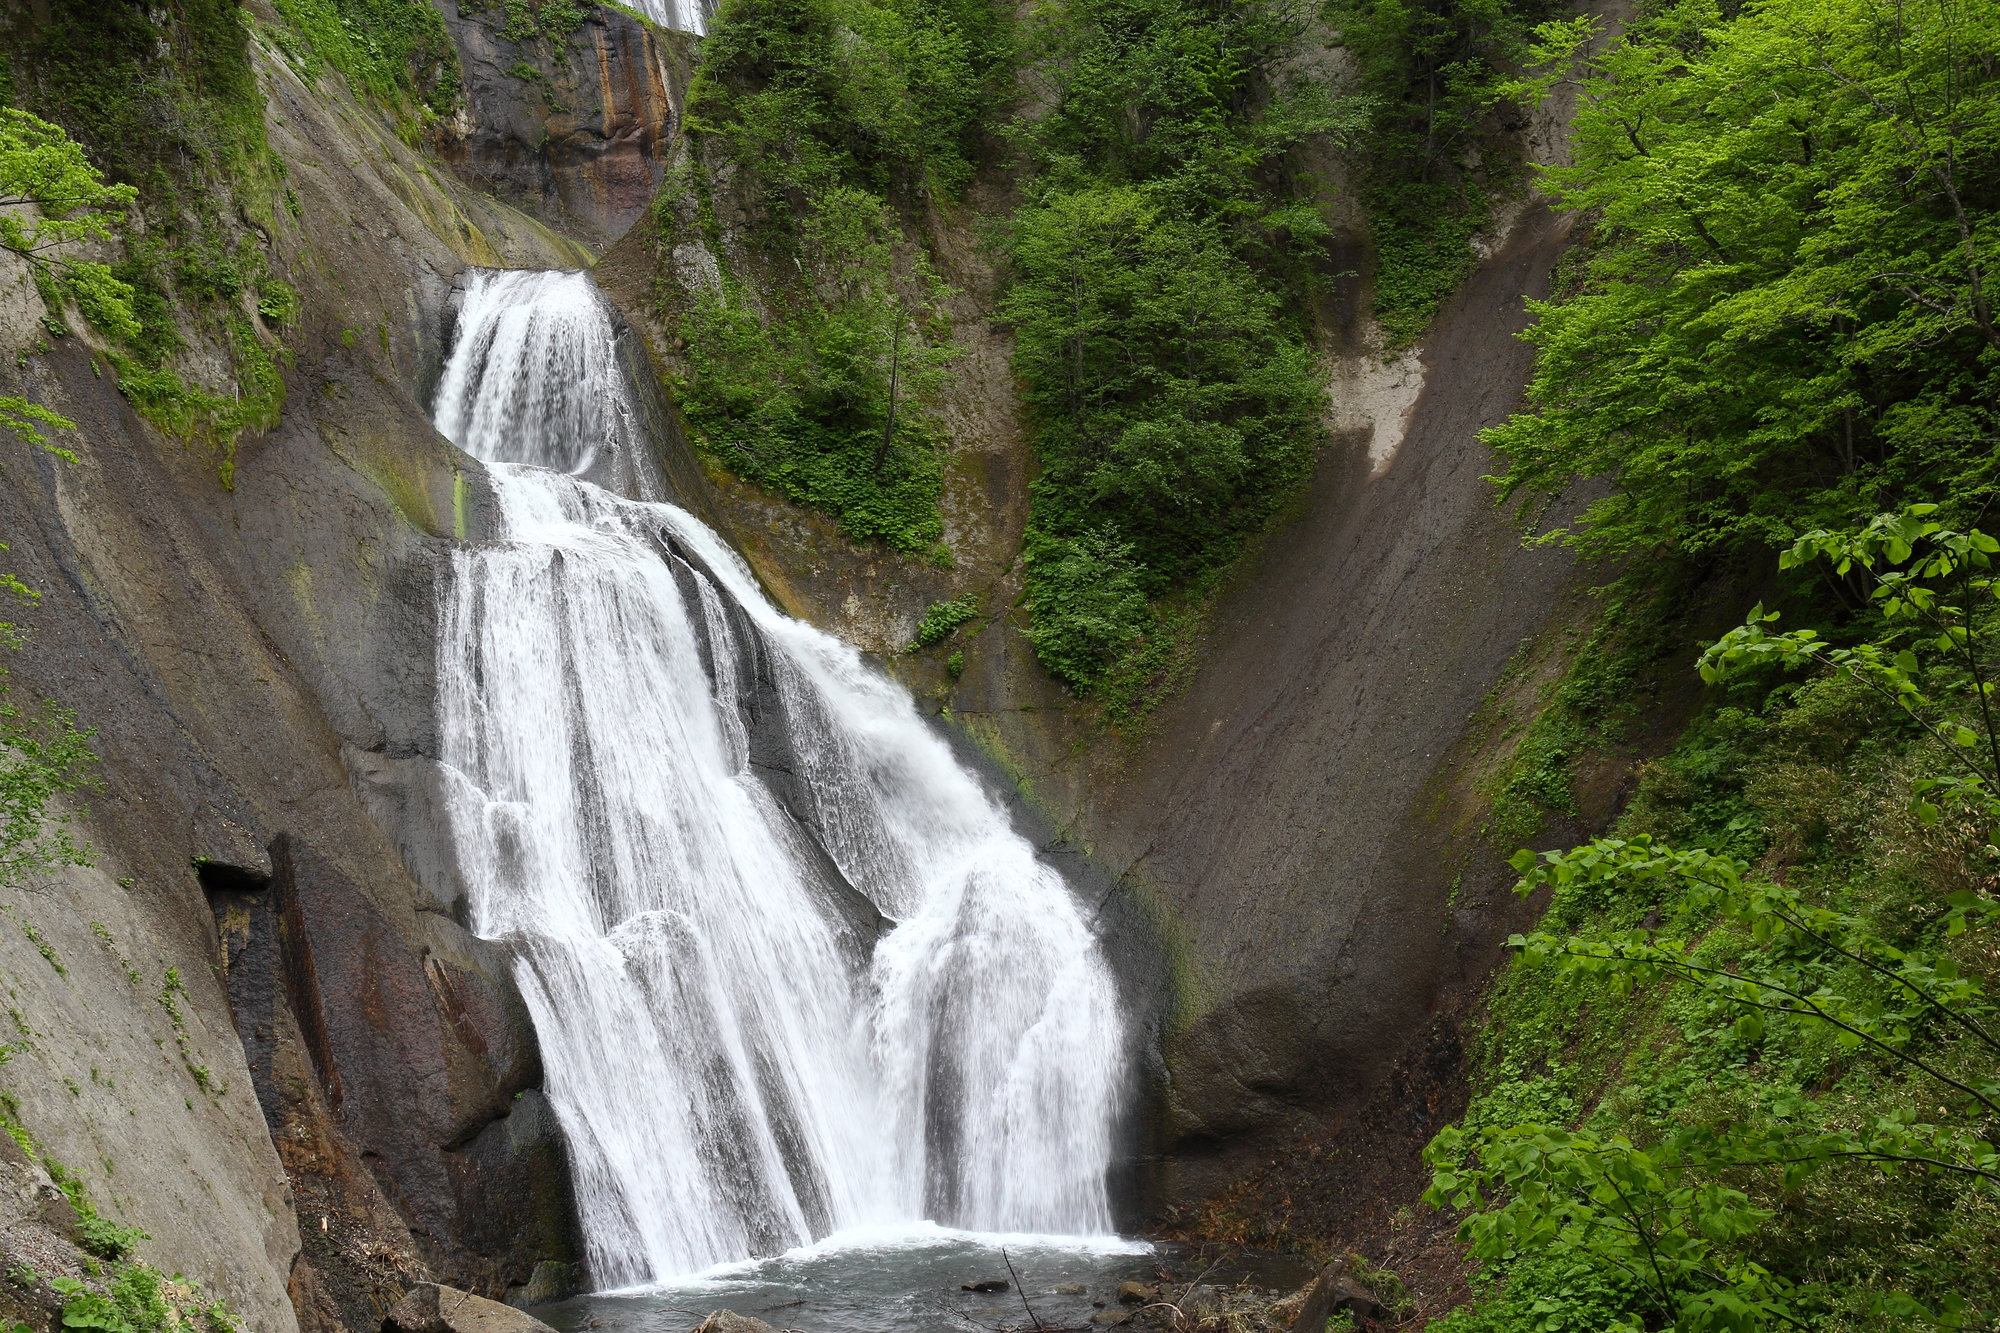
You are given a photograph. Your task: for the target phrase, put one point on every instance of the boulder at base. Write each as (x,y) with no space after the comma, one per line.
(1334,1291)
(728,1321)
(430,1308)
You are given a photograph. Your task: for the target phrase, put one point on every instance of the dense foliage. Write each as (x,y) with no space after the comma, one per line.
(1709,1100)
(165,101)
(818,389)
(879,95)
(162,96)
(1742,1077)
(1161,265)
(1831,1016)
(1785,316)
(814,352)
(1437,72)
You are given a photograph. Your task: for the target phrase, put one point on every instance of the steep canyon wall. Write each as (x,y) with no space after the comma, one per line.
(1288,849)
(282,1056)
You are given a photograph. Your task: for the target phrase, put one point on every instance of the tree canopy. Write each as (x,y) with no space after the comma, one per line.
(1783,317)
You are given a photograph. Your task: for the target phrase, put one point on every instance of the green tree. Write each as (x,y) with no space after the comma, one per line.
(1161,270)
(1433,70)
(880,95)
(1940,602)
(816,351)
(821,393)
(1671,1218)
(42,169)
(1785,317)
(1173,409)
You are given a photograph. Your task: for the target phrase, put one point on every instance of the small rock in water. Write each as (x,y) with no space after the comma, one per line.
(728,1321)
(1110,1318)
(985,1284)
(1067,1289)
(1136,1293)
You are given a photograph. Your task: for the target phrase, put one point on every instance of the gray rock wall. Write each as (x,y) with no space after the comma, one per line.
(258,664)
(571,128)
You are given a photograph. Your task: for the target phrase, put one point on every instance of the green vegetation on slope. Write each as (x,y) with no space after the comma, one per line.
(827,122)
(166,102)
(1438,72)
(395,51)
(1163,265)
(133,1297)
(819,388)
(42,754)
(163,97)
(1736,1080)
(1743,1076)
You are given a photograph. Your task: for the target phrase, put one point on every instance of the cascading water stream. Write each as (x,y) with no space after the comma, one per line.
(792,969)
(686,15)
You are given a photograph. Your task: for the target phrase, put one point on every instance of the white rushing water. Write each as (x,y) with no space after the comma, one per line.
(792,969)
(686,15)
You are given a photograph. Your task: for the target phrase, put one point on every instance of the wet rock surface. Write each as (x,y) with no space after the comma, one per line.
(726,1321)
(257,663)
(572,128)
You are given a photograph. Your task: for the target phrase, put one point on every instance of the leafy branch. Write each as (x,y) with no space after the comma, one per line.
(1929,602)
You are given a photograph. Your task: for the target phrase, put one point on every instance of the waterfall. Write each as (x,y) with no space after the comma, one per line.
(686,15)
(792,969)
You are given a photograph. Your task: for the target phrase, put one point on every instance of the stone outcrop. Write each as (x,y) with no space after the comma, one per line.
(571,128)
(430,1308)
(1335,1292)
(268,1045)
(728,1321)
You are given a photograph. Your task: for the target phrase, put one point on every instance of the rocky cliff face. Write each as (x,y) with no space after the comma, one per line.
(1277,853)
(570,127)
(267,1043)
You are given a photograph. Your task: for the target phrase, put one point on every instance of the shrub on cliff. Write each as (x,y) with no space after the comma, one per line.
(1752,1052)
(1173,408)
(815,351)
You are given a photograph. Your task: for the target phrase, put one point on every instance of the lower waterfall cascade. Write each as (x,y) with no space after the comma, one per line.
(792,969)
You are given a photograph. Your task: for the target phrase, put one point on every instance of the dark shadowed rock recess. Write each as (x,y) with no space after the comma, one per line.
(569,128)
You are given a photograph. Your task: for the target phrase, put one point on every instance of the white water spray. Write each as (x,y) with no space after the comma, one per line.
(791,968)
(686,15)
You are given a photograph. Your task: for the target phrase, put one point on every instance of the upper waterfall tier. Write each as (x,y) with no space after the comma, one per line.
(686,15)
(791,966)
(533,377)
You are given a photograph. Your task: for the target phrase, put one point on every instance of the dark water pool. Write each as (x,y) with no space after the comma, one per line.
(909,1280)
